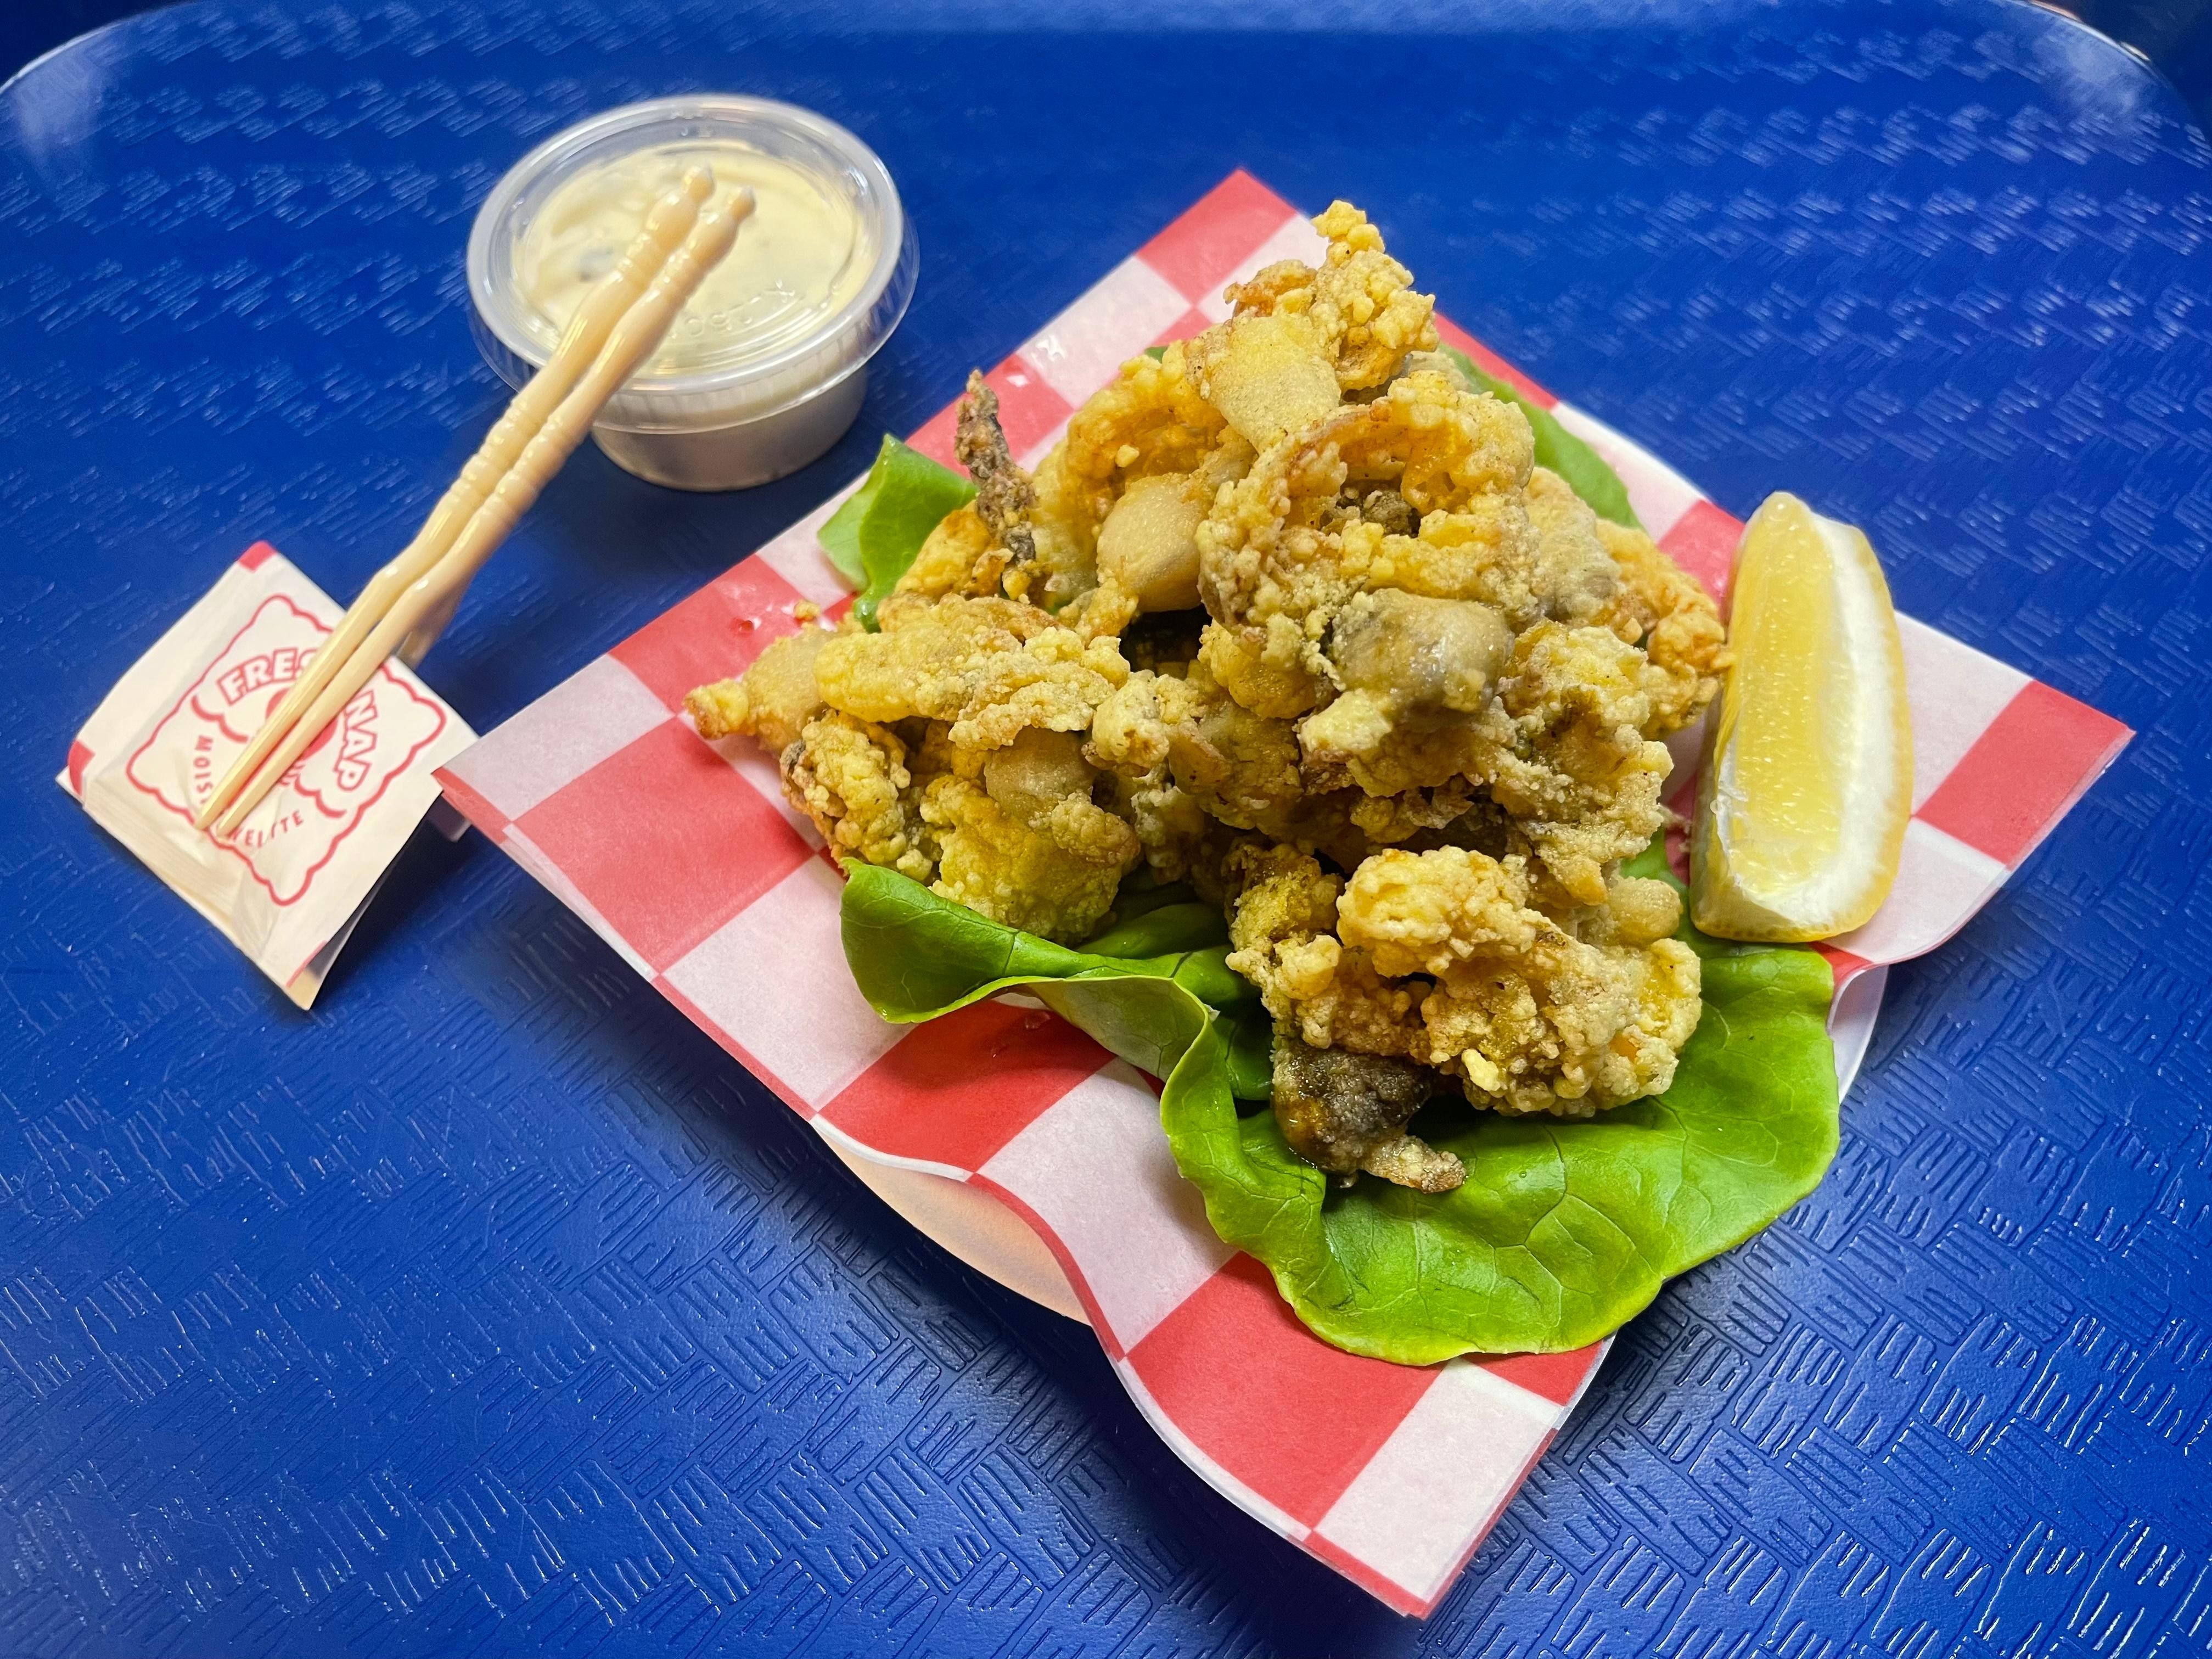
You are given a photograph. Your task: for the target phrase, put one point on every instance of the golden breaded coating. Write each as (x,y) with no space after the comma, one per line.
(1658,605)
(991,667)
(1361,300)
(1529,1018)
(776,698)
(1056,879)
(1281,911)
(1241,768)
(1576,578)
(1147,544)
(1149,419)
(961,555)
(1181,842)
(1578,772)
(1417,675)
(851,778)
(1290,615)
(1434,912)
(1291,542)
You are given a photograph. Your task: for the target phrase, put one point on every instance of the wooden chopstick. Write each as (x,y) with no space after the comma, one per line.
(665,227)
(633,338)
(671,220)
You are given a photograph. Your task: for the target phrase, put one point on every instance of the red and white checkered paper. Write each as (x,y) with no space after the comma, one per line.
(684,857)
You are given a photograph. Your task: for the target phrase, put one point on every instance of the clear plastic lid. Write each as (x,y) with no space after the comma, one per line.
(726,372)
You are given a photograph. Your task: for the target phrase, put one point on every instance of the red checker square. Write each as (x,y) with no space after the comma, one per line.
(79,759)
(1188,326)
(714,634)
(1556,1376)
(1199,250)
(665,840)
(469,804)
(2042,750)
(958,1088)
(1388,1592)
(256,555)
(1843,966)
(1492,364)
(933,437)
(1029,409)
(1235,1370)
(1703,542)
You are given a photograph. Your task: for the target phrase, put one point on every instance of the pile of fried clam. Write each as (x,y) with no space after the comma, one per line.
(1289,614)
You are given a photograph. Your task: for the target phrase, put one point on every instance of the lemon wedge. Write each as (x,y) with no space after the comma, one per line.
(1807,781)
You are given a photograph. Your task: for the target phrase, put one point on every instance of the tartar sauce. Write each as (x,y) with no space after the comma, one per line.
(801,258)
(768,365)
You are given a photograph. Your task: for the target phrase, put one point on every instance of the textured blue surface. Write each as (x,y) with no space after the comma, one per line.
(491,1307)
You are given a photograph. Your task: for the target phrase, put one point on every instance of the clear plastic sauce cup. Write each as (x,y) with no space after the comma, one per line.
(765,367)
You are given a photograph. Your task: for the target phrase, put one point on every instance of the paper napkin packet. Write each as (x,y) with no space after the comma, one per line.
(289,886)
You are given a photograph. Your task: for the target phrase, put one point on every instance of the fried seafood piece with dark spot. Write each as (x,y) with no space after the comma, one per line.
(1360,302)
(1576,578)
(1571,763)
(1530,1013)
(1347,1112)
(852,779)
(1021,841)
(1414,672)
(1240,768)
(1004,493)
(1282,552)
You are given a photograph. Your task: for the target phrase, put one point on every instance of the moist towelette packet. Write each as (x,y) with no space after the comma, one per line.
(289,886)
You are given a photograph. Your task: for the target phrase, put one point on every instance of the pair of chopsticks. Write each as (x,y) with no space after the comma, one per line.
(406,604)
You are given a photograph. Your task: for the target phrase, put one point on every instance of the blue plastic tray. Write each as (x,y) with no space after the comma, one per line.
(491,1307)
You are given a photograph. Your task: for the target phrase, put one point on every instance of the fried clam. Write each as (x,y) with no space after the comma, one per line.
(1150,419)
(1347,1112)
(1290,614)
(1003,493)
(1291,543)
(1359,301)
(1025,843)
(990,668)
(1529,1016)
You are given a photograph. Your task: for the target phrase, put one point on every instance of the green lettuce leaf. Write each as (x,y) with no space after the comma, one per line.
(1563,1230)
(873,536)
(1583,467)
(1144,989)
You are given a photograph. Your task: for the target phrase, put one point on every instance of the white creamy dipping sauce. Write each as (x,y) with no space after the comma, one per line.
(801,258)
(767,366)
